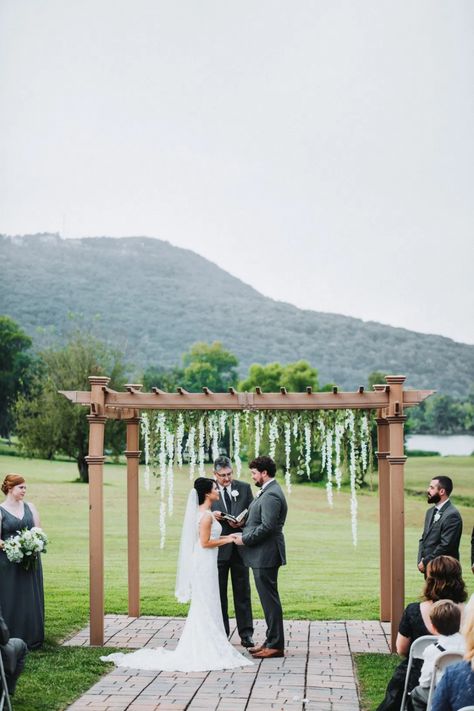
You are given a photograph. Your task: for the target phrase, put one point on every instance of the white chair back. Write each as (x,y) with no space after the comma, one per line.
(443,661)
(4,695)
(416,652)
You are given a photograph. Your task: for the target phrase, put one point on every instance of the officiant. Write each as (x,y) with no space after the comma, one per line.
(234,498)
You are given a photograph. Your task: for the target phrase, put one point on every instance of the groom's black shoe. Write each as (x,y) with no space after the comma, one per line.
(247,642)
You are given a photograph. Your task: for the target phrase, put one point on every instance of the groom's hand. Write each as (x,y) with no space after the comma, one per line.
(238,539)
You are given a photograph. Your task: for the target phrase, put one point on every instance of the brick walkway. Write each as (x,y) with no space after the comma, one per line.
(315,675)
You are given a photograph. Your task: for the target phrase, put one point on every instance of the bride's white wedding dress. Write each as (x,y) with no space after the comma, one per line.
(203,645)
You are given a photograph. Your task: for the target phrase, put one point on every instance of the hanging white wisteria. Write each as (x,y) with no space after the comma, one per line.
(201,453)
(350,425)
(288,456)
(145,430)
(273,436)
(191,447)
(294,439)
(307,449)
(180,432)
(329,467)
(236,433)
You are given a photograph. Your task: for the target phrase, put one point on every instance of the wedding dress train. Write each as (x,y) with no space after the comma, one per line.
(203,645)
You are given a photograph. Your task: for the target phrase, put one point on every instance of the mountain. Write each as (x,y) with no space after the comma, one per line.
(154,300)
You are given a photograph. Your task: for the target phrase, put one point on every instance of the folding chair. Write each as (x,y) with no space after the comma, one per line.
(4,696)
(443,661)
(416,652)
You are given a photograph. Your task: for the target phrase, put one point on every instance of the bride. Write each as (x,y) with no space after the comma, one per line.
(203,645)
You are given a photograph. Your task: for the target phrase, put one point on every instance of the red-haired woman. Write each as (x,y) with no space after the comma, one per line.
(21,591)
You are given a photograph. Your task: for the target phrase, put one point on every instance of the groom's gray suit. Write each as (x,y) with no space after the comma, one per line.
(264,552)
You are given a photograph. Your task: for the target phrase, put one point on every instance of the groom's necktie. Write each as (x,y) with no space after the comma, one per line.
(227,501)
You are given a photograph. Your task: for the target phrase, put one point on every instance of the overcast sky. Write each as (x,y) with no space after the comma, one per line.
(322,150)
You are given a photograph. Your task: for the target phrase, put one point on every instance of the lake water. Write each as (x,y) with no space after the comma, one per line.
(444,444)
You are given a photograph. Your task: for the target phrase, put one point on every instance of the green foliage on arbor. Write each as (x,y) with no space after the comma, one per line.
(295,377)
(47,423)
(17,365)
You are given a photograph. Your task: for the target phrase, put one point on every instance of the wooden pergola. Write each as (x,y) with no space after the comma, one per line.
(389,400)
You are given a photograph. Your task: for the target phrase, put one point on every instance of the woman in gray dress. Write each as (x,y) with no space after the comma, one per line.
(21,591)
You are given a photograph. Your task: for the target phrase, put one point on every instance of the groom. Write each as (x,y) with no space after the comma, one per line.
(264,551)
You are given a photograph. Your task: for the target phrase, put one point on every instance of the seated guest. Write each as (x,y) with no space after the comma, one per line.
(456,688)
(445,618)
(13,651)
(443,582)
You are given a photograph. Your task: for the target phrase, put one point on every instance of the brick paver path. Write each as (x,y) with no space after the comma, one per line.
(316,674)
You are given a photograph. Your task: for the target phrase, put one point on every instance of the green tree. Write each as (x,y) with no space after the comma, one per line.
(209,365)
(16,370)
(47,423)
(376,377)
(157,376)
(295,377)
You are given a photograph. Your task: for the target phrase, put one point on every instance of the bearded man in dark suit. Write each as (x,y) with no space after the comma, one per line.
(234,497)
(263,549)
(443,524)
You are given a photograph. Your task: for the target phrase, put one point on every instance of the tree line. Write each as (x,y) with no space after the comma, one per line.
(46,424)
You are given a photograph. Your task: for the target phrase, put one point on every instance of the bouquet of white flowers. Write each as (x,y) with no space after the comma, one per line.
(25,547)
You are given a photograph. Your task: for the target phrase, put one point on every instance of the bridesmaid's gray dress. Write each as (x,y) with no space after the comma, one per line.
(21,591)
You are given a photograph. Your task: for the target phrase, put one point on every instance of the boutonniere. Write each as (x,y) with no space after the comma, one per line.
(437,516)
(234,493)
(258,493)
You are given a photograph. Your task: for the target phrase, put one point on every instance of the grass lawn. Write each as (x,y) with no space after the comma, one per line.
(326,577)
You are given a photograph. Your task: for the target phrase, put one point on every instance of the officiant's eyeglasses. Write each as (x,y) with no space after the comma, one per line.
(223,476)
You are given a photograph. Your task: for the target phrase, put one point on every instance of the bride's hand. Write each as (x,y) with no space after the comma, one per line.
(238,539)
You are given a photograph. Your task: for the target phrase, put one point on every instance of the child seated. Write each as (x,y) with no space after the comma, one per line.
(446,620)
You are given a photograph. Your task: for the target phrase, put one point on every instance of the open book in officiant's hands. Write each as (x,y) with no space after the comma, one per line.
(234,519)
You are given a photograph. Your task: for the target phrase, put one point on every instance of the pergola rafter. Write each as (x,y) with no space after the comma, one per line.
(389,400)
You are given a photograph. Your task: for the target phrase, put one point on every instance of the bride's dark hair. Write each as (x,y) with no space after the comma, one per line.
(203,486)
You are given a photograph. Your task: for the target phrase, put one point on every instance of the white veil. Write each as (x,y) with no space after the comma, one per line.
(189,536)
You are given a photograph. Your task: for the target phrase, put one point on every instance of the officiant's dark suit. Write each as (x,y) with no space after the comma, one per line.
(264,550)
(234,497)
(443,524)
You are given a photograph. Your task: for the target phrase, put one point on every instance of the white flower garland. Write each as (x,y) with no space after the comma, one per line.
(338,435)
(191,445)
(287,456)
(236,433)
(145,430)
(273,436)
(350,425)
(201,452)
(179,440)
(328,443)
(331,431)
(170,471)
(307,449)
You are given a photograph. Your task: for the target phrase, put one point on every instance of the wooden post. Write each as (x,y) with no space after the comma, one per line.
(95,461)
(396,461)
(383,451)
(133,459)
